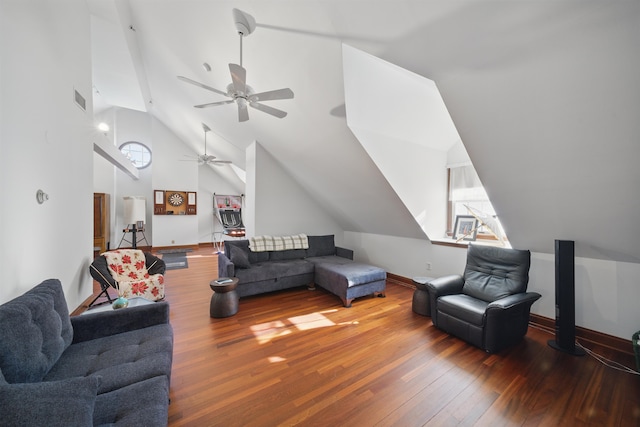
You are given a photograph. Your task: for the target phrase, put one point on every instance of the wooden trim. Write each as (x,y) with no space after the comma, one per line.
(400,280)
(161,248)
(549,325)
(82,307)
(584,334)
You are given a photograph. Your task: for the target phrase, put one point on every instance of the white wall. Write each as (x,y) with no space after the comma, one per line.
(607,292)
(171,172)
(418,175)
(277,204)
(168,154)
(46,143)
(136,126)
(405,257)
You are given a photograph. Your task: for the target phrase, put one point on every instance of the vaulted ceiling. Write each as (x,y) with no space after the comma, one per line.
(544,95)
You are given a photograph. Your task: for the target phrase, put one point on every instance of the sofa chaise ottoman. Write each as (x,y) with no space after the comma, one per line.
(350,280)
(317,262)
(110,368)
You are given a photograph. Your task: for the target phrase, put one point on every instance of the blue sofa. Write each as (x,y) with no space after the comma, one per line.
(323,264)
(111,368)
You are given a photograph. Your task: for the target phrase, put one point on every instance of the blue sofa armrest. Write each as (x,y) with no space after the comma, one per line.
(344,253)
(225,267)
(98,325)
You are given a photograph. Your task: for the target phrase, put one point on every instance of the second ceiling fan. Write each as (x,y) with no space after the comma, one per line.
(207,159)
(238,90)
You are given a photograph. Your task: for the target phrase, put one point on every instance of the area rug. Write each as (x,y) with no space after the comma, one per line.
(175,260)
(174,251)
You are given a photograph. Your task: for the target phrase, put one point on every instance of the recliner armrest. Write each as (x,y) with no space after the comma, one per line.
(106,323)
(513,300)
(344,253)
(446,285)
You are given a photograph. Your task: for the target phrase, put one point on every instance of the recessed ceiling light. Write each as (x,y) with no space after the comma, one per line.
(206,66)
(103,127)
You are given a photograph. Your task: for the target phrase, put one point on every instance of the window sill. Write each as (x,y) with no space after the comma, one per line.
(449,242)
(465,243)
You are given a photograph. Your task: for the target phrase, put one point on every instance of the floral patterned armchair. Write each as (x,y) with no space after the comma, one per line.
(131,272)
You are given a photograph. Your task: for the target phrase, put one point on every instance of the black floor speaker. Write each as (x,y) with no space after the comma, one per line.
(565,300)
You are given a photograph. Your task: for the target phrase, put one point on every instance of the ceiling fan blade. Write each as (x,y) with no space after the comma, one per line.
(203,86)
(239,78)
(213,104)
(272,95)
(269,110)
(221,162)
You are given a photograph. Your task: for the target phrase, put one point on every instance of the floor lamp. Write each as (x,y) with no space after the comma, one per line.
(134,217)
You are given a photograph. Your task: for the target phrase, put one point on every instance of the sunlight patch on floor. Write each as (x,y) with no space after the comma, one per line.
(311,321)
(265,332)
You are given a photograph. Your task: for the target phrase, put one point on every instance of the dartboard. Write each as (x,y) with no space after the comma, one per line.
(176,199)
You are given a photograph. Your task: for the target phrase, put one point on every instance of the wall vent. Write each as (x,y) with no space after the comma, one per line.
(80,101)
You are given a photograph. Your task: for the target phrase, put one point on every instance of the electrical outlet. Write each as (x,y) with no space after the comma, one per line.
(428,266)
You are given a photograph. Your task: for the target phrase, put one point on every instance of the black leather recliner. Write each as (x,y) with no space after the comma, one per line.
(489,305)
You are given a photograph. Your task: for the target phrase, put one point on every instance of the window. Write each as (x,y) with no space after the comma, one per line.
(467,196)
(138,153)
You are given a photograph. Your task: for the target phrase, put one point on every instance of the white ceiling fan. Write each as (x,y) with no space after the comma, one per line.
(207,159)
(239,91)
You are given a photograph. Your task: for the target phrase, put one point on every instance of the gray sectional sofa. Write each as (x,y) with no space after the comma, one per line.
(322,264)
(110,368)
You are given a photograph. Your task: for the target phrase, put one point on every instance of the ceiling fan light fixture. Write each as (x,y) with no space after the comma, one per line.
(245,23)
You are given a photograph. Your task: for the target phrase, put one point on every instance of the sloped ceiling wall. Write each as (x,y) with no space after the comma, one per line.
(544,95)
(546,99)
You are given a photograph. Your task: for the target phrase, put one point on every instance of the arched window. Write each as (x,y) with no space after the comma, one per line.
(139,154)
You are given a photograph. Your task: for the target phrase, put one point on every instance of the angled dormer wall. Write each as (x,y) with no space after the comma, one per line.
(401,121)
(277,205)
(545,97)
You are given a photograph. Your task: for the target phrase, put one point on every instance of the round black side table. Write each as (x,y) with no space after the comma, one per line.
(224,301)
(421,303)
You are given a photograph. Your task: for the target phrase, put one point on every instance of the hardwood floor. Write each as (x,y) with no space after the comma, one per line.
(297,357)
